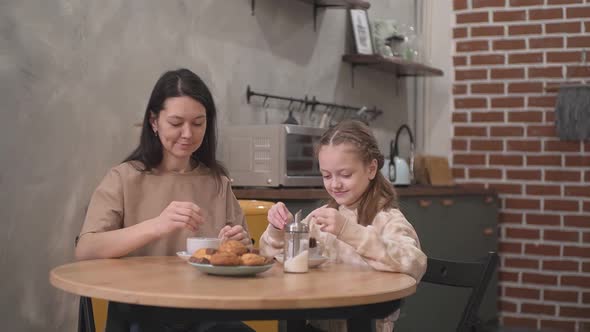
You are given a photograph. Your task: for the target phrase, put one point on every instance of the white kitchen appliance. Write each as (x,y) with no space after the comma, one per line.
(277,155)
(400,171)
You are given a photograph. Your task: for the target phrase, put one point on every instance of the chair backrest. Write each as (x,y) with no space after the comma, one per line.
(474,275)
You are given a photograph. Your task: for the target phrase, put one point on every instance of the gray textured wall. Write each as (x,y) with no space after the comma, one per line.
(76,74)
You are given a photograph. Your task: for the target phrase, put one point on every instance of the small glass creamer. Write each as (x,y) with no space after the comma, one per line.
(296,249)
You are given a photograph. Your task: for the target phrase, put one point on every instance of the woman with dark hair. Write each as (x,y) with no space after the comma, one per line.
(170,187)
(172,84)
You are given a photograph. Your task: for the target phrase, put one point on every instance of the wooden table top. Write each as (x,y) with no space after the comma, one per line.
(171,282)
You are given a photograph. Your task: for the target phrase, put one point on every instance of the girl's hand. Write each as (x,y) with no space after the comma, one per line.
(328,220)
(237,232)
(279,216)
(179,215)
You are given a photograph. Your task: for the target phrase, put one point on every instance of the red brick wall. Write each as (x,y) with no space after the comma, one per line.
(506,53)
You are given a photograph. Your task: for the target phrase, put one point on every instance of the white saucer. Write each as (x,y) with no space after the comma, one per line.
(241,270)
(183,255)
(314,260)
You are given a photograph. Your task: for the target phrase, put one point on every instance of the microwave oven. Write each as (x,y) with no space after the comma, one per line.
(276,155)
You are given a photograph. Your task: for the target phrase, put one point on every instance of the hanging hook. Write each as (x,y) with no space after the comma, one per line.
(331,120)
(302,107)
(264,105)
(310,114)
(248,94)
(373,112)
(378,112)
(290,119)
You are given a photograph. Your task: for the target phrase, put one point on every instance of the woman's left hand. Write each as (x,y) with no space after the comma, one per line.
(329,220)
(237,232)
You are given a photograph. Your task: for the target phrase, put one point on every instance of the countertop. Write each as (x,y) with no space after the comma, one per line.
(320,193)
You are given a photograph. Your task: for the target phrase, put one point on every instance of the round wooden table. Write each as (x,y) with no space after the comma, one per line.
(333,291)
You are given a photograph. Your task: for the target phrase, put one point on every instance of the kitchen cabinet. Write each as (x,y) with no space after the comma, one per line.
(452,222)
(453,227)
(318,193)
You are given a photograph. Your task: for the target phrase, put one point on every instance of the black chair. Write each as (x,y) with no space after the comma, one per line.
(85,315)
(474,275)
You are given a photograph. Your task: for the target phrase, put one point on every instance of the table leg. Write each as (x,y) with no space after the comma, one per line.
(360,325)
(295,325)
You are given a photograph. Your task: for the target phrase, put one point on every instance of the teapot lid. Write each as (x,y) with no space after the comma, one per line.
(297,226)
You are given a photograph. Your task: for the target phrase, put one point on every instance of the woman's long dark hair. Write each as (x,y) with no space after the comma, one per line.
(380,194)
(177,83)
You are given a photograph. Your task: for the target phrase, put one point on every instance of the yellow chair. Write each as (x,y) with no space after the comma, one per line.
(256,213)
(99,310)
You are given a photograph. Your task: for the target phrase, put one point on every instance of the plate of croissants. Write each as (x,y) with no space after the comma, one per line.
(232,258)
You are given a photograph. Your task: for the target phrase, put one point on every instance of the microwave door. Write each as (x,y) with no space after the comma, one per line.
(301,168)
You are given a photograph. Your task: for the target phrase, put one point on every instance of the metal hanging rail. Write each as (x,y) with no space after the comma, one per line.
(250,94)
(373,112)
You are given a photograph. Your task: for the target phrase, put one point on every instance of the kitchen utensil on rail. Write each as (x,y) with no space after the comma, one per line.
(325,120)
(311,116)
(360,115)
(290,119)
(265,108)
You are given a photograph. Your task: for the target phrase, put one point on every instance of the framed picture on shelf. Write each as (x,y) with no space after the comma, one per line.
(361,30)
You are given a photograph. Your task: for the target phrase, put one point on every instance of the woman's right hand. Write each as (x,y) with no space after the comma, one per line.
(279,216)
(178,215)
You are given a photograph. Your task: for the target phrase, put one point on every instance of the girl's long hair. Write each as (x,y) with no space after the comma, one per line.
(380,194)
(177,83)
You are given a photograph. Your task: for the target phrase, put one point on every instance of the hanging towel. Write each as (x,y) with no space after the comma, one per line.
(572,112)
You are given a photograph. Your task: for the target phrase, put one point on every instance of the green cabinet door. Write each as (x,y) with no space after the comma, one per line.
(449,227)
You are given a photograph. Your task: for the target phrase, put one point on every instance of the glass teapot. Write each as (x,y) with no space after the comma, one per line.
(296,248)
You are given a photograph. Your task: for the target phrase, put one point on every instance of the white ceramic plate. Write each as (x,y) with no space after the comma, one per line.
(241,270)
(183,255)
(314,260)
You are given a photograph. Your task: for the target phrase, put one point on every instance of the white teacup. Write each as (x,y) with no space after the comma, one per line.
(195,243)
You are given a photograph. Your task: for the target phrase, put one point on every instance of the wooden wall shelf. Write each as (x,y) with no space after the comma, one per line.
(395,65)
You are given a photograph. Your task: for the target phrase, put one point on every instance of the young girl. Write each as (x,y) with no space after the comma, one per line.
(361,223)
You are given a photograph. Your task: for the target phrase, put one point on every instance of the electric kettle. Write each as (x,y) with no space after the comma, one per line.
(400,173)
